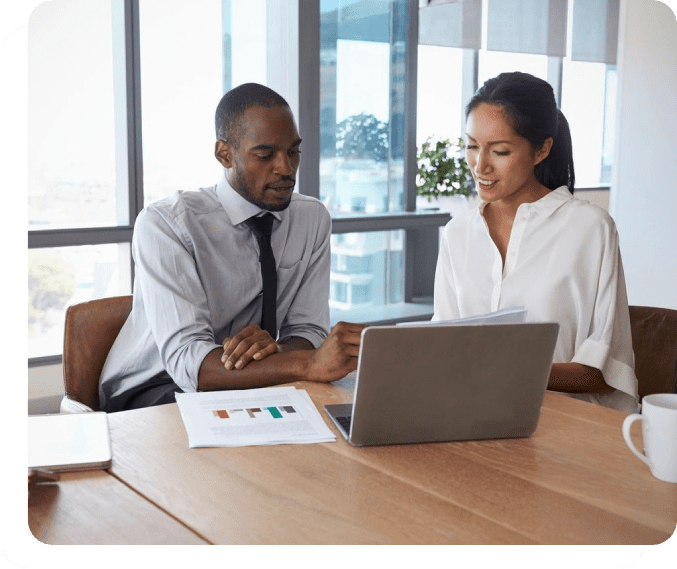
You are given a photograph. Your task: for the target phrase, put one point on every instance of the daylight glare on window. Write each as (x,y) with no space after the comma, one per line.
(181,68)
(587,113)
(71,157)
(439,95)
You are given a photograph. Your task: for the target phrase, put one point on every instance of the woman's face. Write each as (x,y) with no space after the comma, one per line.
(501,161)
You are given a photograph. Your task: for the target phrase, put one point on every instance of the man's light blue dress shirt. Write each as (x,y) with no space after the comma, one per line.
(198,280)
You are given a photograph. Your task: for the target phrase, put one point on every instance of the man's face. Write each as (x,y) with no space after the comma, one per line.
(261,166)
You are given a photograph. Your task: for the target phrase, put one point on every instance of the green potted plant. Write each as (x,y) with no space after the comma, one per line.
(442,170)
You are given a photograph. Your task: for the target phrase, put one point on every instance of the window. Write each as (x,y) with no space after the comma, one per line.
(181,71)
(71,168)
(185,70)
(440,109)
(61,276)
(363,118)
(367,270)
(133,123)
(590,113)
(361,105)
(569,44)
(74,202)
(121,102)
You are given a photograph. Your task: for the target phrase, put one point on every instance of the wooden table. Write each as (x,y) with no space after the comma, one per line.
(573,481)
(97,508)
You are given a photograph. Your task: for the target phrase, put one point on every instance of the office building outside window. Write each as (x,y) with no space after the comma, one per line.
(362,92)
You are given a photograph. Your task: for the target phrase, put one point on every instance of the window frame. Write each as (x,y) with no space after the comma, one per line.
(300,37)
(299,43)
(128,151)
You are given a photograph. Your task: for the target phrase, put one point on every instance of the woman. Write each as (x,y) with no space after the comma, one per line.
(530,243)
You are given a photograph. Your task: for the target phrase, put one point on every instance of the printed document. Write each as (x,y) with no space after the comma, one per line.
(512,315)
(267,416)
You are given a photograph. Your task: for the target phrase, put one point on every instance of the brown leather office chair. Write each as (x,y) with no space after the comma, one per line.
(90,330)
(654,340)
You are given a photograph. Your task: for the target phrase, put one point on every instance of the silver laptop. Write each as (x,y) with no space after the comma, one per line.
(447,383)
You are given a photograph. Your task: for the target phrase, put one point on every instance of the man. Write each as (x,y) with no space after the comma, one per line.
(202,261)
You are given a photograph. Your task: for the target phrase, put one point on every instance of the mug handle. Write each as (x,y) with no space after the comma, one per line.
(627,423)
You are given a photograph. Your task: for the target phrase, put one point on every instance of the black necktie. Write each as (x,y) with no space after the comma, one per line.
(262,227)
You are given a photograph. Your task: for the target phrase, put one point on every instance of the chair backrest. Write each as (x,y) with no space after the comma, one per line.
(654,340)
(90,330)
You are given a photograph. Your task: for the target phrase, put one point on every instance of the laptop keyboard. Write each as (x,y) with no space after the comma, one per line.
(345,423)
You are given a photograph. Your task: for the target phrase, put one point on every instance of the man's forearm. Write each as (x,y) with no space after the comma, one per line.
(295,343)
(333,360)
(284,367)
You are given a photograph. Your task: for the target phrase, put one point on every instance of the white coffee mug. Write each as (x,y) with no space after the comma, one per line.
(659,431)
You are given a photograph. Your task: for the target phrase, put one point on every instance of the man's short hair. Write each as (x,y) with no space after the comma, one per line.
(235,102)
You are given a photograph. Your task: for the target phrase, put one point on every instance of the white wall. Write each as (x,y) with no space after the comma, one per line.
(643,196)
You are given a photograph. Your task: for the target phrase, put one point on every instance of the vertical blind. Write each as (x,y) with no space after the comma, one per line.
(524,26)
(527,26)
(595,31)
(450,24)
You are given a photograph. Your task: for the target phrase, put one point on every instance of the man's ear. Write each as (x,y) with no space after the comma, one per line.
(543,151)
(224,153)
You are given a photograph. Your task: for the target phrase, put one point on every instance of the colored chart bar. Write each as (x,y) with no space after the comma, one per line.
(275,412)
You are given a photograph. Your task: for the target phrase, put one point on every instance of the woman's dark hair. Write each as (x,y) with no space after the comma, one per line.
(529,103)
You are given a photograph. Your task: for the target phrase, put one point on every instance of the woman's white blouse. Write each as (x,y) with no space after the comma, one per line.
(564,265)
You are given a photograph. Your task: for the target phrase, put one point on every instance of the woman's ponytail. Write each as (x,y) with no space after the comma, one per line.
(558,167)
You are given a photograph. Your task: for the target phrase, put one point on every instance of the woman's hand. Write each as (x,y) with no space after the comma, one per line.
(251,343)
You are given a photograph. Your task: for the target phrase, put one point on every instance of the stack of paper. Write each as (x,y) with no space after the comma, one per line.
(512,315)
(268,416)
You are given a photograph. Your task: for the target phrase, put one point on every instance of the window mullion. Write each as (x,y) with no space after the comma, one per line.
(76,237)
(411,71)
(127,101)
(470,74)
(133,60)
(555,70)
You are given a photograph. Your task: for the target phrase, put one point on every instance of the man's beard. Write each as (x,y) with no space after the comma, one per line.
(241,187)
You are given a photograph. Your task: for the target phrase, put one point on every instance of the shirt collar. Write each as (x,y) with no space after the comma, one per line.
(547,205)
(552,201)
(238,208)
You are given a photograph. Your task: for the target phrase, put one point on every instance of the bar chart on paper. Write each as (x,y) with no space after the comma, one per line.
(255,412)
(274,415)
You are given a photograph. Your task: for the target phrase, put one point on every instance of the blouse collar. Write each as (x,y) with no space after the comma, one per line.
(545,206)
